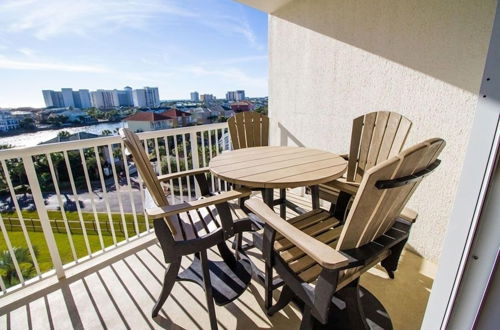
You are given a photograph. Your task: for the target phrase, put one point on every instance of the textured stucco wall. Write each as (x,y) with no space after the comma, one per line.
(331,61)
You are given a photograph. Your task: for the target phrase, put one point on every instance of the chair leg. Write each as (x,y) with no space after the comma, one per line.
(391,262)
(307,319)
(268,287)
(285,297)
(208,290)
(168,284)
(354,308)
(283,204)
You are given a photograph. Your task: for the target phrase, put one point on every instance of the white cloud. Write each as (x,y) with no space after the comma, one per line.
(48,66)
(49,18)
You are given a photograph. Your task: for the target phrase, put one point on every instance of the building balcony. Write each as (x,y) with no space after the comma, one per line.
(116,287)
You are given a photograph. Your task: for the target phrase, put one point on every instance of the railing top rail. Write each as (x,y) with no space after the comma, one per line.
(100,141)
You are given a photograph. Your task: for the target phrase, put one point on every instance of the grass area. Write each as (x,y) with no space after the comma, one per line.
(56,217)
(37,238)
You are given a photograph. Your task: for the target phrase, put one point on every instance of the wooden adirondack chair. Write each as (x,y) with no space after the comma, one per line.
(251,129)
(192,228)
(317,257)
(375,137)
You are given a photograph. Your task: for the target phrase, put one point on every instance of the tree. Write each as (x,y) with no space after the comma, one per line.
(262,110)
(64,134)
(27,124)
(24,260)
(106,132)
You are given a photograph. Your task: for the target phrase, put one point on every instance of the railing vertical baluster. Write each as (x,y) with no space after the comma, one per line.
(143,194)
(178,165)
(91,194)
(217,152)
(193,139)
(186,165)
(11,251)
(77,202)
(117,189)
(105,194)
(211,156)
(19,212)
(43,215)
(61,205)
(169,167)
(131,196)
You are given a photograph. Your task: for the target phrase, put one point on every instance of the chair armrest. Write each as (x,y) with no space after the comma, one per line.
(171,176)
(343,185)
(323,254)
(409,215)
(165,211)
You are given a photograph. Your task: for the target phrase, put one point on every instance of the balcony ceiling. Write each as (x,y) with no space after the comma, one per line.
(265,5)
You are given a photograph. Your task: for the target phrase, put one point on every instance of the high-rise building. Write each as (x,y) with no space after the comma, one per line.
(148,97)
(77,100)
(85,102)
(103,99)
(139,97)
(195,97)
(207,98)
(240,95)
(235,95)
(53,99)
(67,94)
(152,97)
(123,98)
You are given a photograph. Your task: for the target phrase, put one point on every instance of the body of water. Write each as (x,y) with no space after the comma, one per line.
(32,139)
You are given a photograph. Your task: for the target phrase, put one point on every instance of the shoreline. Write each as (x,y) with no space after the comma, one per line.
(21,131)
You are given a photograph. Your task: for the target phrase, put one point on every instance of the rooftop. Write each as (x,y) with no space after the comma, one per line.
(148,116)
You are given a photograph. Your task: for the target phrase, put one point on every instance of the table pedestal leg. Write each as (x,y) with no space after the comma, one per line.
(315,196)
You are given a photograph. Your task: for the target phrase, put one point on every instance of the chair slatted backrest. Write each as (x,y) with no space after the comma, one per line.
(249,129)
(375,137)
(375,210)
(148,175)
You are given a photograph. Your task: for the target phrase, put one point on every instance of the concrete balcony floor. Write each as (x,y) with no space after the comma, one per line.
(120,292)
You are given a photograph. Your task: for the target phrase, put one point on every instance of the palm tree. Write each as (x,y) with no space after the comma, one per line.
(24,260)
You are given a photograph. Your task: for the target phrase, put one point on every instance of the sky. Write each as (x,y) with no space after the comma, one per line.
(180,46)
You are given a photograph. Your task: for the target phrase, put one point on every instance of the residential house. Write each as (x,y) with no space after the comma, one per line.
(145,121)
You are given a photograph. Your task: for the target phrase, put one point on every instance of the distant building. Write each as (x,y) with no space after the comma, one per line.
(180,118)
(84,96)
(67,94)
(195,97)
(145,121)
(207,98)
(53,98)
(148,97)
(242,106)
(7,121)
(234,96)
(103,99)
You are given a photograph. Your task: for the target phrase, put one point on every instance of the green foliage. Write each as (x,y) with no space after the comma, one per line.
(106,132)
(24,260)
(27,124)
(262,110)
(64,134)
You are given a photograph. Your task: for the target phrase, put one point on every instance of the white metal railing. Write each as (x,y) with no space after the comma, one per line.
(88,197)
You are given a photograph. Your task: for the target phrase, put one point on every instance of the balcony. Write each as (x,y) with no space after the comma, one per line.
(115,286)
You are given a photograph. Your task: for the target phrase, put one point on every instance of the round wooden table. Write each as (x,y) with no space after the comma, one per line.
(278,168)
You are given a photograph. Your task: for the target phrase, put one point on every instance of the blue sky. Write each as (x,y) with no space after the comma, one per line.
(211,46)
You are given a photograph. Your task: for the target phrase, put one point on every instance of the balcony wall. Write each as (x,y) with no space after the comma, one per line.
(331,61)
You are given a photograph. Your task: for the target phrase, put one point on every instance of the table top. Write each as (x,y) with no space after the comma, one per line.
(278,167)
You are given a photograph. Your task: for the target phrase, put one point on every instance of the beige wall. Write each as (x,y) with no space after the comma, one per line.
(331,61)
